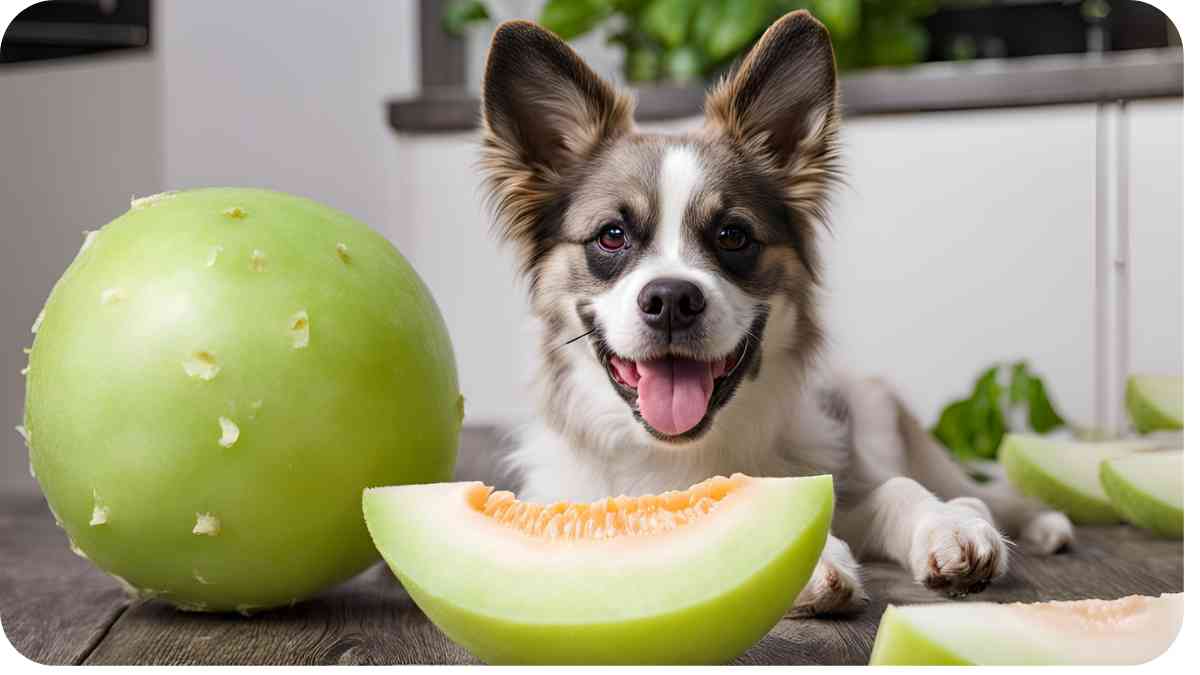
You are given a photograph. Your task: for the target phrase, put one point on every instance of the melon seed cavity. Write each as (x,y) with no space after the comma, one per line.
(606,518)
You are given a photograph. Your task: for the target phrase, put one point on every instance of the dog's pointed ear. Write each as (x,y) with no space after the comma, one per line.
(543,100)
(544,111)
(782,101)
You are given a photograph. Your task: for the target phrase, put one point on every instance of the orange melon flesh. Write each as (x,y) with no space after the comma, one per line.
(1128,631)
(695,576)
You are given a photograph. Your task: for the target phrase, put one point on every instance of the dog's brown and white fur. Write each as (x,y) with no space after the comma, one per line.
(726,217)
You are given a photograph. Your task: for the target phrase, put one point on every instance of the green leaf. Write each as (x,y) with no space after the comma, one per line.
(571,18)
(461,13)
(841,17)
(706,21)
(739,25)
(973,428)
(986,410)
(667,21)
(629,7)
(1020,384)
(684,64)
(642,64)
(784,6)
(1042,415)
(952,429)
(896,42)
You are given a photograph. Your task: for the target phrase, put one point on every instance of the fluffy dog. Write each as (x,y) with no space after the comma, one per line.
(674,279)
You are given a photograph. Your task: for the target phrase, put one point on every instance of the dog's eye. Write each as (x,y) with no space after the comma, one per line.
(732,238)
(612,238)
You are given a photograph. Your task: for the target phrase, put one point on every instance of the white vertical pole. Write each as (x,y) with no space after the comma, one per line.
(1100,271)
(1121,269)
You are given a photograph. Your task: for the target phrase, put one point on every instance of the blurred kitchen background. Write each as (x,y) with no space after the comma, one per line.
(1015,166)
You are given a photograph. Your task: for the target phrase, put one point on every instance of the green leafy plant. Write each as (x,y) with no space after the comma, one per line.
(1005,397)
(691,40)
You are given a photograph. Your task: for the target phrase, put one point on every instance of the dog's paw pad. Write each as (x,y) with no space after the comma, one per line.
(958,553)
(831,590)
(1047,533)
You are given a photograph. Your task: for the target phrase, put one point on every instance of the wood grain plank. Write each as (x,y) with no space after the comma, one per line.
(54,606)
(369,620)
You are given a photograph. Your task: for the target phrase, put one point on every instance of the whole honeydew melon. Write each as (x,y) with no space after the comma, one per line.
(1066,474)
(1147,490)
(1155,402)
(1128,631)
(214,381)
(696,576)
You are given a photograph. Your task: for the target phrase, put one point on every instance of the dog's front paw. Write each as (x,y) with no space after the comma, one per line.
(956,549)
(834,588)
(1047,533)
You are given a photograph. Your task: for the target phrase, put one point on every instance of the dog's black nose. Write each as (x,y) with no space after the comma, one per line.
(670,304)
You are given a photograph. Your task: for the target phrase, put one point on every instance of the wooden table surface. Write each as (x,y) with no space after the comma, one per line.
(58,609)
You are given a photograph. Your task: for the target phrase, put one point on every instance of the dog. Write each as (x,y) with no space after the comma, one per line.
(675,282)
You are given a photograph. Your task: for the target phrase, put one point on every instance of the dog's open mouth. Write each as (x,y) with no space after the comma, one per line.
(674,394)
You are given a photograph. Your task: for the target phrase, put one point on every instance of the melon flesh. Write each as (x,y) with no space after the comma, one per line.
(696,576)
(1066,474)
(1147,490)
(1155,402)
(1128,631)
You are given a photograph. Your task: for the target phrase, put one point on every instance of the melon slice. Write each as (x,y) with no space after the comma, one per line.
(1128,631)
(1066,474)
(696,576)
(1155,402)
(1147,490)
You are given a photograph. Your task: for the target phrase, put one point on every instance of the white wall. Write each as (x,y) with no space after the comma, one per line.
(1156,236)
(965,238)
(288,96)
(77,139)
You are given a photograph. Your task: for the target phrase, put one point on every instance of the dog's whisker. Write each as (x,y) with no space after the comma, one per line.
(576,339)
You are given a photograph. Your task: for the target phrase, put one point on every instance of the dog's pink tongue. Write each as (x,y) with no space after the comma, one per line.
(673,393)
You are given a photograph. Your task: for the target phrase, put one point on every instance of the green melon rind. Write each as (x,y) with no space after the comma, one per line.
(1028,476)
(115,418)
(1140,508)
(899,643)
(713,631)
(1146,414)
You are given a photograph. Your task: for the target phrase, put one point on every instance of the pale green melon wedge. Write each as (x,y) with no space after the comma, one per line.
(1128,631)
(1155,402)
(1065,474)
(686,577)
(1147,490)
